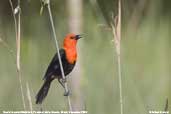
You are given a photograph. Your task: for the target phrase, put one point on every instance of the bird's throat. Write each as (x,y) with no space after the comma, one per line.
(71,54)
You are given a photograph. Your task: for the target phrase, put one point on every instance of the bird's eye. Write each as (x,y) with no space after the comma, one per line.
(72,37)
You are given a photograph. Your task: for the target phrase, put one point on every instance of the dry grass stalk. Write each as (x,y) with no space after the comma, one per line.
(47,3)
(16,11)
(29,97)
(116,29)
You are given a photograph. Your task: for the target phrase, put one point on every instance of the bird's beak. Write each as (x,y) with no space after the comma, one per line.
(78,37)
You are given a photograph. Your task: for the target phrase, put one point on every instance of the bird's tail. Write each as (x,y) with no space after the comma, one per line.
(43,91)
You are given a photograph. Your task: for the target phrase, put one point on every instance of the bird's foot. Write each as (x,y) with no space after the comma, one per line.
(67,93)
(64,80)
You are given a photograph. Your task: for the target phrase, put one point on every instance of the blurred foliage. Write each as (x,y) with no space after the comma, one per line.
(109,9)
(145,55)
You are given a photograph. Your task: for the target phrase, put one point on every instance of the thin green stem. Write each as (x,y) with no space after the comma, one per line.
(119,57)
(120,84)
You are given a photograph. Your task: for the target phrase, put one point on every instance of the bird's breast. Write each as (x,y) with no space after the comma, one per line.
(71,56)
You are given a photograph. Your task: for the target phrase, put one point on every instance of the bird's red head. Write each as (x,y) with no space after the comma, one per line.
(69,46)
(71,40)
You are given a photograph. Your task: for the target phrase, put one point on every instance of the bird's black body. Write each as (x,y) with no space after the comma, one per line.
(54,67)
(54,71)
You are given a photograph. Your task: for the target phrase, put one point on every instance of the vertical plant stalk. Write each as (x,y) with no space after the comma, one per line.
(15,21)
(18,52)
(29,97)
(18,36)
(57,48)
(167,105)
(116,29)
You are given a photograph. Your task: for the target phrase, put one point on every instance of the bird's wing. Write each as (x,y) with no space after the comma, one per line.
(54,64)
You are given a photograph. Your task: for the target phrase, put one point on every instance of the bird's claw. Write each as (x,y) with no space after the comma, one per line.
(64,80)
(67,93)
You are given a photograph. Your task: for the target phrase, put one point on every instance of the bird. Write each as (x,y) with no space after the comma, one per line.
(68,55)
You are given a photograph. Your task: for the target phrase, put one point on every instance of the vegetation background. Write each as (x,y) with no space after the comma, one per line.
(145,55)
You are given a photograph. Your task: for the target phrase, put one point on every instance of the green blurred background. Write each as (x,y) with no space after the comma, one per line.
(145,53)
